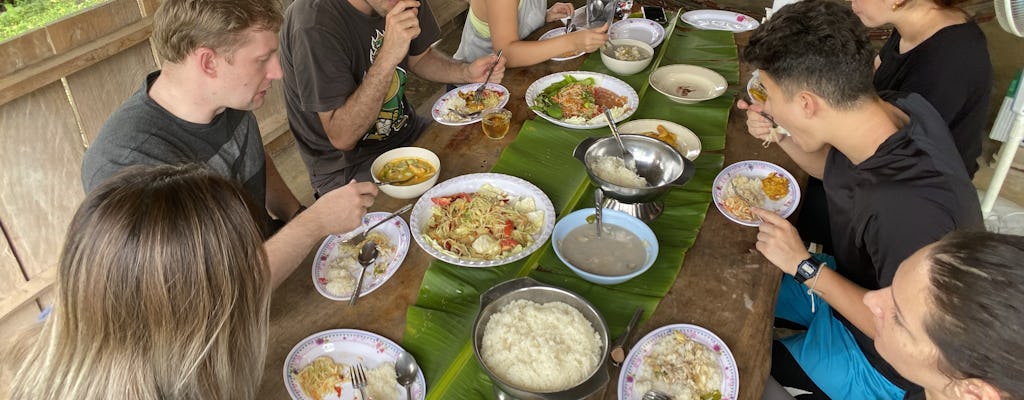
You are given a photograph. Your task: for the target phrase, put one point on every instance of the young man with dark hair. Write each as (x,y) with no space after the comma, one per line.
(894,183)
(220,58)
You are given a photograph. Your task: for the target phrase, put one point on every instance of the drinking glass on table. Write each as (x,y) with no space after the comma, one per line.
(495,122)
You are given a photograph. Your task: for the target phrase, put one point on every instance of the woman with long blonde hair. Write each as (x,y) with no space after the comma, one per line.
(162,292)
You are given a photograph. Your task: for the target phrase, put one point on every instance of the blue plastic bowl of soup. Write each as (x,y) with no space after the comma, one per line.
(616,257)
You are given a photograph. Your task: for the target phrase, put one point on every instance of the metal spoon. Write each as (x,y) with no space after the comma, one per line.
(598,207)
(627,157)
(406,371)
(656,395)
(618,353)
(362,235)
(367,255)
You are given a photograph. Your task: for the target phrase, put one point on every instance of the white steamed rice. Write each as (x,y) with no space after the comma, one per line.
(541,347)
(613,170)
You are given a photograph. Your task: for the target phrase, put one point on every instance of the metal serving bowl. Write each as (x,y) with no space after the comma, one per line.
(657,161)
(497,297)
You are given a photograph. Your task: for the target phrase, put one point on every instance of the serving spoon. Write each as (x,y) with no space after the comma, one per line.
(627,158)
(598,207)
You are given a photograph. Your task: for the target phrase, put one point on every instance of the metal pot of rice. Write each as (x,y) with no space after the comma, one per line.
(659,167)
(540,342)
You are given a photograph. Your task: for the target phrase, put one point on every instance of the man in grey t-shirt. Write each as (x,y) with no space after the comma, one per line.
(220,58)
(345,64)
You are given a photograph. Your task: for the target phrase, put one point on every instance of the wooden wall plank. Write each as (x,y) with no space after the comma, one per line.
(101,88)
(23,51)
(92,24)
(40,183)
(149,6)
(446,10)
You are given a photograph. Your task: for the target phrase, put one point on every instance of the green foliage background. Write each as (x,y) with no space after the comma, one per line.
(26,15)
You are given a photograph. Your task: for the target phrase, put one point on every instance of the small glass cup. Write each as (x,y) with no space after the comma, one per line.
(495,122)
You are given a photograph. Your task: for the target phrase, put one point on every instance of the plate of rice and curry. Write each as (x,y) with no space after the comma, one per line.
(319,367)
(460,107)
(754,183)
(577,99)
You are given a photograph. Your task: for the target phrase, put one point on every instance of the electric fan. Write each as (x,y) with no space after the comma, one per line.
(1009,125)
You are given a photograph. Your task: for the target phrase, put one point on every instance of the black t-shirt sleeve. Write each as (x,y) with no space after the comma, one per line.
(321,69)
(902,224)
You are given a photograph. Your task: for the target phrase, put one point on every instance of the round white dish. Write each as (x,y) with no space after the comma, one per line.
(719,20)
(730,387)
(641,29)
(702,83)
(397,232)
(441,107)
(614,84)
(687,142)
(755,169)
(347,346)
(556,33)
(512,186)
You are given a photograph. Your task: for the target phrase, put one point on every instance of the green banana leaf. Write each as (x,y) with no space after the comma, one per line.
(439,325)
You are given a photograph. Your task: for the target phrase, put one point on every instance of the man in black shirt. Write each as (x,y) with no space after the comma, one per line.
(893,180)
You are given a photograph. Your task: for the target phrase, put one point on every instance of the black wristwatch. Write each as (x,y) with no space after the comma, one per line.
(807,269)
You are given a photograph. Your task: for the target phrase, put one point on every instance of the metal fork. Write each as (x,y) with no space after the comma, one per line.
(656,395)
(359,380)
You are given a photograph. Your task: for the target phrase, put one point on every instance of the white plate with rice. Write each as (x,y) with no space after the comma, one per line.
(442,109)
(612,84)
(515,188)
(749,176)
(676,345)
(335,269)
(556,33)
(349,347)
(641,29)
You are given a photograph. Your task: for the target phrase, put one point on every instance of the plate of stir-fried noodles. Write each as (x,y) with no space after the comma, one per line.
(577,99)
(482,220)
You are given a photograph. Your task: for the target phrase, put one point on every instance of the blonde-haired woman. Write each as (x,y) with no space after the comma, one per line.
(503,24)
(163,292)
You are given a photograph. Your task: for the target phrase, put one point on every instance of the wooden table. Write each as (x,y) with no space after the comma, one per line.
(724,284)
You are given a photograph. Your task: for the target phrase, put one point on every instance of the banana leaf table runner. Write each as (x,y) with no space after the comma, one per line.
(439,326)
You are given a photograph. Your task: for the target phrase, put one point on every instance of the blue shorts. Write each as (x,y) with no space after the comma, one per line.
(827,351)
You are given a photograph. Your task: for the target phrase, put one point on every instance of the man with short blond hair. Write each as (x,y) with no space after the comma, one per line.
(220,60)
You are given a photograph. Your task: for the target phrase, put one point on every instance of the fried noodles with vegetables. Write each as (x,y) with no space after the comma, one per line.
(320,378)
(485,225)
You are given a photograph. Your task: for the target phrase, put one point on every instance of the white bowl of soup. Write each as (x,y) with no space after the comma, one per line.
(406,172)
(627,56)
(627,246)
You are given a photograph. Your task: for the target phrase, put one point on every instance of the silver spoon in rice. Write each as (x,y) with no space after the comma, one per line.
(627,158)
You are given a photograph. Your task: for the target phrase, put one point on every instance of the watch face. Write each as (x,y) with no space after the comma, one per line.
(806,268)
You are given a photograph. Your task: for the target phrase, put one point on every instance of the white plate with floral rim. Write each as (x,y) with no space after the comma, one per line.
(556,33)
(755,169)
(512,186)
(631,367)
(687,142)
(612,84)
(348,347)
(442,113)
(334,250)
(720,20)
(641,29)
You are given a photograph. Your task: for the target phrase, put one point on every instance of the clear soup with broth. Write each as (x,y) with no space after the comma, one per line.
(406,171)
(617,252)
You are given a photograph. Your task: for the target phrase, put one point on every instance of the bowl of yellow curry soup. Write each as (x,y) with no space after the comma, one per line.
(406,172)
